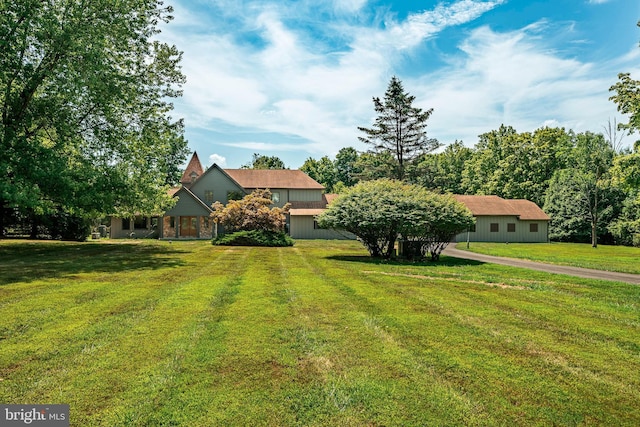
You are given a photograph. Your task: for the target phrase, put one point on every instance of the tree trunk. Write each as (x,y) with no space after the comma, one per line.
(2,214)
(594,223)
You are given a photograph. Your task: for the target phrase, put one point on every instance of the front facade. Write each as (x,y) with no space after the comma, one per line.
(502,220)
(190,216)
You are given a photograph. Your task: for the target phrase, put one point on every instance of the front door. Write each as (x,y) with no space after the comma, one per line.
(188,226)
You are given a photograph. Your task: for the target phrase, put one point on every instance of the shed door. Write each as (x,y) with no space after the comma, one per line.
(188,226)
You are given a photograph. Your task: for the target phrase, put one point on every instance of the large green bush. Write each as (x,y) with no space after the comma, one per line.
(254,238)
(379,211)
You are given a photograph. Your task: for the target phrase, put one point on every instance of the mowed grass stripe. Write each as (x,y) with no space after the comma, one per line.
(372,372)
(319,334)
(140,319)
(460,336)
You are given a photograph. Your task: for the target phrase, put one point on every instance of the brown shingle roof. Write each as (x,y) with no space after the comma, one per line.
(194,166)
(528,210)
(494,205)
(273,178)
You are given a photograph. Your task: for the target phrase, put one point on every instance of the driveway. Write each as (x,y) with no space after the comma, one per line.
(549,268)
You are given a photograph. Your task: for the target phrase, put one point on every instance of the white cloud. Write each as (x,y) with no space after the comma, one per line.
(514,79)
(399,36)
(292,86)
(218,160)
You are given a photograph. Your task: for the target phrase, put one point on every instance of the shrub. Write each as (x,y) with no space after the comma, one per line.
(377,212)
(253,212)
(254,238)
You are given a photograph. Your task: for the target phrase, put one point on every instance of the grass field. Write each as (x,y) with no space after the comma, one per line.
(149,333)
(622,259)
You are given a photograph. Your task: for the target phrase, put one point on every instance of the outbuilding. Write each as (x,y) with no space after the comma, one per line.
(504,220)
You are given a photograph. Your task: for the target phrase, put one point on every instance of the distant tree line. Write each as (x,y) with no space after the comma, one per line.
(586,186)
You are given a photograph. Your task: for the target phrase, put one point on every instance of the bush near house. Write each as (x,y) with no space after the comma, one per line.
(252,221)
(254,238)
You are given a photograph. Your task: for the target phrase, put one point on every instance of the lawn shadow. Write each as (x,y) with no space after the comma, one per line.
(445,261)
(28,261)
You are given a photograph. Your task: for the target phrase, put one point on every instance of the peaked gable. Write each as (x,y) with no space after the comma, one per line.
(193,171)
(188,204)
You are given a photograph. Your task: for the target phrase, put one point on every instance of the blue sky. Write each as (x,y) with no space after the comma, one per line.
(295,79)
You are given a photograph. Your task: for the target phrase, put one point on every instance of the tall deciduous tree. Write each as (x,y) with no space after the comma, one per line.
(626,175)
(347,170)
(517,165)
(260,161)
(84,116)
(443,171)
(323,171)
(399,128)
(581,196)
(627,96)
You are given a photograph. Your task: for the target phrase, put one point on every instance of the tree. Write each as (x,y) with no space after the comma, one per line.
(517,165)
(85,126)
(627,96)
(253,212)
(613,137)
(581,200)
(377,212)
(259,161)
(399,128)
(371,166)
(626,174)
(347,170)
(443,171)
(323,171)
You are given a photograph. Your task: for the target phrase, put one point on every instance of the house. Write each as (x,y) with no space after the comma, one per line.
(502,220)
(190,218)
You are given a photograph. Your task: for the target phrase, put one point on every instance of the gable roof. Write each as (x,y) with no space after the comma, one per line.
(195,198)
(194,167)
(497,206)
(527,210)
(273,178)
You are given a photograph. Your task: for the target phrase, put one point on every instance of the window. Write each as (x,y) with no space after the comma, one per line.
(533,228)
(275,197)
(206,222)
(208,196)
(472,229)
(126,223)
(511,228)
(140,222)
(172,221)
(494,227)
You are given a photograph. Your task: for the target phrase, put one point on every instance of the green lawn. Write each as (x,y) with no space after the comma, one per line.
(622,259)
(150,333)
